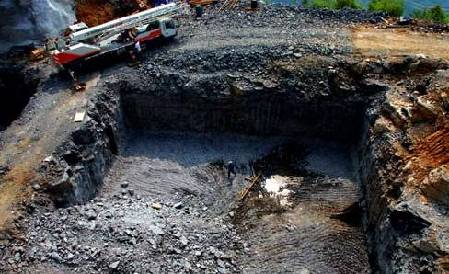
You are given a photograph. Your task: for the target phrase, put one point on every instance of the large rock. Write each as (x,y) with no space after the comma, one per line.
(436,185)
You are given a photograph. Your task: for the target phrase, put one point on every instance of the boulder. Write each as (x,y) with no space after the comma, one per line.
(436,185)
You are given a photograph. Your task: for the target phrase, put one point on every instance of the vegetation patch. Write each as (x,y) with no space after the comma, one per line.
(332,4)
(435,14)
(391,7)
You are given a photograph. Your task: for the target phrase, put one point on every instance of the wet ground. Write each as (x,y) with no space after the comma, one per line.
(297,233)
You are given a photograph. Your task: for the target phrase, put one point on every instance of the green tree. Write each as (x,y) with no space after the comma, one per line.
(353,4)
(320,4)
(434,14)
(391,7)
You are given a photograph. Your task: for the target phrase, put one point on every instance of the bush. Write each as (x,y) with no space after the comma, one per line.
(319,4)
(331,4)
(391,7)
(435,14)
(353,4)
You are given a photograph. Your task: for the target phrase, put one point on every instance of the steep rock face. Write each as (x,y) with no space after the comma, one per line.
(27,21)
(404,169)
(83,159)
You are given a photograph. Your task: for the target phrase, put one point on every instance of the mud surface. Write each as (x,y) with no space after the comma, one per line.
(291,228)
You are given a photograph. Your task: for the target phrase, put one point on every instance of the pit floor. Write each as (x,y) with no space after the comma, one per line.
(303,237)
(167,206)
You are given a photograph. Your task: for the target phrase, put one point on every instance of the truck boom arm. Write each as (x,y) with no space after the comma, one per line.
(123,23)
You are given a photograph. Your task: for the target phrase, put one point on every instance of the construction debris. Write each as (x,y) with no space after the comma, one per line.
(79,116)
(228,5)
(254,180)
(156,206)
(37,54)
(194,3)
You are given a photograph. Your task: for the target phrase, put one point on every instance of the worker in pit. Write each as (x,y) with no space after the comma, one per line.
(74,78)
(231,169)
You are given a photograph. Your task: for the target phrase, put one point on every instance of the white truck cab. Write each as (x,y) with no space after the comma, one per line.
(168,27)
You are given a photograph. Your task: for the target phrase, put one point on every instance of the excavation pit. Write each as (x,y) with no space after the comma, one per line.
(170,155)
(175,150)
(298,235)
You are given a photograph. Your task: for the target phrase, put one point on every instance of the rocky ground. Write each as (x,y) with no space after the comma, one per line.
(177,223)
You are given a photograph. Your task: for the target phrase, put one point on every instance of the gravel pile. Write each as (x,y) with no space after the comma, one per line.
(125,233)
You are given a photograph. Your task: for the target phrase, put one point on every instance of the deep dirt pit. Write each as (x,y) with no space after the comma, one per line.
(167,198)
(313,155)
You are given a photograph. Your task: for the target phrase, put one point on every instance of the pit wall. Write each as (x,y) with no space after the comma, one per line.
(17,84)
(76,170)
(265,114)
(376,205)
(393,229)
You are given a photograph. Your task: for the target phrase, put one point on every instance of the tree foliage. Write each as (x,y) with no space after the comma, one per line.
(391,7)
(353,4)
(434,14)
(331,4)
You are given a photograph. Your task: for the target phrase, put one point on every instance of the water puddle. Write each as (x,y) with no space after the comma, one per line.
(276,187)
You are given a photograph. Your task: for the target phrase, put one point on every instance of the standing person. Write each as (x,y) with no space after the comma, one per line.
(77,85)
(231,169)
(138,49)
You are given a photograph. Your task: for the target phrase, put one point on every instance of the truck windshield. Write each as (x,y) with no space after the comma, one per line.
(170,24)
(153,25)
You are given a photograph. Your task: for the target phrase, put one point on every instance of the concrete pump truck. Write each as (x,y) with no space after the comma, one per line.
(80,43)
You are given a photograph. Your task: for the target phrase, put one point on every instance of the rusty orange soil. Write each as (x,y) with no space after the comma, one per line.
(25,155)
(95,12)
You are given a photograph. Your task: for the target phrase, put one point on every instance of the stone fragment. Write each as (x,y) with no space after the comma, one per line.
(55,256)
(91,215)
(156,206)
(36,186)
(436,185)
(114,265)
(184,241)
(178,205)
(157,230)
